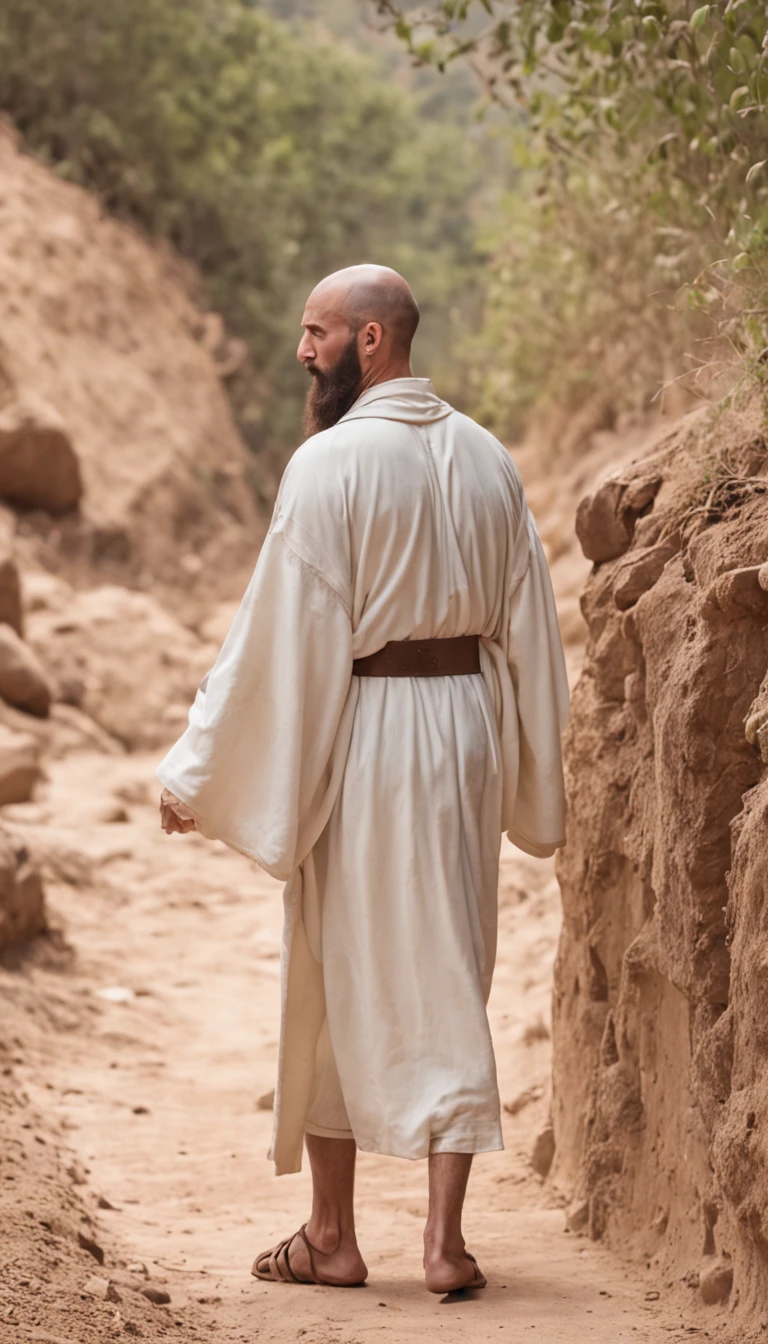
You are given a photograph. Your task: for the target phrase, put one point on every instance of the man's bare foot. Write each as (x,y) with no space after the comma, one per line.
(314,1256)
(449,1271)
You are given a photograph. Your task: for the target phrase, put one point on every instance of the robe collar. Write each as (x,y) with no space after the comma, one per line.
(413,400)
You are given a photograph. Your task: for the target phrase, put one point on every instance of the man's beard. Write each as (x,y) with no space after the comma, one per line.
(332,393)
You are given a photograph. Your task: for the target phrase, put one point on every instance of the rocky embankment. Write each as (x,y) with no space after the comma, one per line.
(660,1095)
(123,494)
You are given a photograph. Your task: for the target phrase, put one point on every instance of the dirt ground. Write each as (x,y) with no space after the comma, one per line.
(140,1038)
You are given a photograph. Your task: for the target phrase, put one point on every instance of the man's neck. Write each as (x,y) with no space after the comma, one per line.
(396,369)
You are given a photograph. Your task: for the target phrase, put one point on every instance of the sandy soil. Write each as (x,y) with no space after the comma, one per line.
(141,1041)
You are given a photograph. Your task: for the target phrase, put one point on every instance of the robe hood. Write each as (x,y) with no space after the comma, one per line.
(413,400)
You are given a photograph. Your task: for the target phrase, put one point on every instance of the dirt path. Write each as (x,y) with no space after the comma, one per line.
(145,1054)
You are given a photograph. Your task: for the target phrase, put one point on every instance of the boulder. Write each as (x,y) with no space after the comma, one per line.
(22,900)
(603,529)
(20,755)
(120,658)
(23,682)
(605,520)
(39,468)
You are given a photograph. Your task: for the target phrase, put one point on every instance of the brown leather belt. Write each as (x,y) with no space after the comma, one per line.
(458,657)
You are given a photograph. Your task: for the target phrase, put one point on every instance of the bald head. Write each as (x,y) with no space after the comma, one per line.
(370,293)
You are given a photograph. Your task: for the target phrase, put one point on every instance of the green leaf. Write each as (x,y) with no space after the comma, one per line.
(741,261)
(755,169)
(699,17)
(738,97)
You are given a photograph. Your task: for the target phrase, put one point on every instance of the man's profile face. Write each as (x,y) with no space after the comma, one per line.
(328,351)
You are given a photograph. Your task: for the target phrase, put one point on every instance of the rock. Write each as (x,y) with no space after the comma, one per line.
(23,682)
(77,1174)
(158,1296)
(266,1102)
(92,1247)
(543,1153)
(715,1282)
(577,1217)
(129,658)
(10,583)
(737,594)
(10,593)
(19,766)
(39,468)
(603,530)
(22,900)
(640,571)
(95,1286)
(605,520)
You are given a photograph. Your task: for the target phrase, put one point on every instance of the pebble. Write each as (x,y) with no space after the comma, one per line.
(91,1247)
(95,1286)
(266,1102)
(156,1295)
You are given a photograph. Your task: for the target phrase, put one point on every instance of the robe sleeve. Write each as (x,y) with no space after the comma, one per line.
(257,764)
(537,666)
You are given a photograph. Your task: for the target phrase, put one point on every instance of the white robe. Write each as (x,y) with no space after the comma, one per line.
(382,800)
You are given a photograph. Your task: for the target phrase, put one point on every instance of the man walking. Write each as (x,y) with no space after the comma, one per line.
(389,699)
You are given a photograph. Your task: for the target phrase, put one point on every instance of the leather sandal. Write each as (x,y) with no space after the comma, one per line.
(479,1281)
(275,1265)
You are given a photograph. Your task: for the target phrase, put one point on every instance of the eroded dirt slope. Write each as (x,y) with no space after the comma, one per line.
(661,1107)
(110,392)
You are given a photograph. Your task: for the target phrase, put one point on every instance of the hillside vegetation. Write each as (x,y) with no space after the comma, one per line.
(633,248)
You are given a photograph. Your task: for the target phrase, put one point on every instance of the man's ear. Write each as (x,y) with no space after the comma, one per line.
(372,335)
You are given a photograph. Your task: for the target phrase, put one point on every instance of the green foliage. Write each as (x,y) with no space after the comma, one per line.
(265,157)
(636,243)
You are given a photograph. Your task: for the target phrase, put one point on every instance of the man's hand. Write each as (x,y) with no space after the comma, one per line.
(174,816)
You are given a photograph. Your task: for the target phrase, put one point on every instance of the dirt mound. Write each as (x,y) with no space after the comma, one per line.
(109,395)
(660,1109)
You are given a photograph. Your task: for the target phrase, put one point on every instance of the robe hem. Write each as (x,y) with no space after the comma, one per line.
(324,1132)
(531,847)
(457,1142)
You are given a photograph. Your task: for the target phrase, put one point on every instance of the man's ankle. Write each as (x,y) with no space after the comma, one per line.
(442,1243)
(326,1234)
